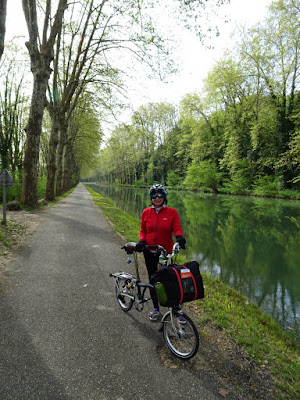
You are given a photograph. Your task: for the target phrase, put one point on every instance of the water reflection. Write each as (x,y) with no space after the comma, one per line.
(253,244)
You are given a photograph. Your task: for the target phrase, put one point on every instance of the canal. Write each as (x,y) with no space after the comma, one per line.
(252,244)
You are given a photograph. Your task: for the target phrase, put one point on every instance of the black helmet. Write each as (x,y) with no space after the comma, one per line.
(158,188)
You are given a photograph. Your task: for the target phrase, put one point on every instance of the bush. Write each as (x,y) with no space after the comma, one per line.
(203,175)
(238,184)
(267,185)
(173,179)
(139,183)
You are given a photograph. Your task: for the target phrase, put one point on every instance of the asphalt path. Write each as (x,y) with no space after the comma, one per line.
(62,334)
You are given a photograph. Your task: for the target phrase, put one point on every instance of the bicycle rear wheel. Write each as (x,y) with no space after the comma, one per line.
(124,301)
(181,335)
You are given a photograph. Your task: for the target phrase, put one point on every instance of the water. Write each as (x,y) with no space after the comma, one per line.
(252,244)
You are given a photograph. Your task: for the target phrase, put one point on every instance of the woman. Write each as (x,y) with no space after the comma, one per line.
(158,223)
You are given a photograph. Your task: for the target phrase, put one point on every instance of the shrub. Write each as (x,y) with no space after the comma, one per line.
(267,185)
(173,179)
(139,183)
(203,175)
(238,184)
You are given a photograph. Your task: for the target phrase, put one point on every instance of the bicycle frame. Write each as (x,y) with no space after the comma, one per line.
(139,296)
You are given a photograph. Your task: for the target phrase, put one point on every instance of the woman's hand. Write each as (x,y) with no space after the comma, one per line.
(181,241)
(140,246)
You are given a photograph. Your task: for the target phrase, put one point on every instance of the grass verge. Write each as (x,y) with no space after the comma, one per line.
(243,322)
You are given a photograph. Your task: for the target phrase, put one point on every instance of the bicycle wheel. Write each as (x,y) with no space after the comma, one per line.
(124,301)
(181,335)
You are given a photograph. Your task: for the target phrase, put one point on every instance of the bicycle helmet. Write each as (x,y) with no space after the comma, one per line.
(158,188)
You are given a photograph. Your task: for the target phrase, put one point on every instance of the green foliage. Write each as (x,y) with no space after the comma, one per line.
(240,179)
(138,183)
(42,187)
(15,193)
(173,179)
(290,159)
(136,152)
(11,119)
(87,134)
(203,175)
(149,174)
(267,185)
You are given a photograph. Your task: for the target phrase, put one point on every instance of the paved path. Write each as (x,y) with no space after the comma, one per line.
(63,335)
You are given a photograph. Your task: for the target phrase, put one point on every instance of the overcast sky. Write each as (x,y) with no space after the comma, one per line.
(196,60)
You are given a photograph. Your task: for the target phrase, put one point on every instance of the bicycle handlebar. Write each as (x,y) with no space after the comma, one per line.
(130,248)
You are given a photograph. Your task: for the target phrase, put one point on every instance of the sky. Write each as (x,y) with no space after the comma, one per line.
(195,59)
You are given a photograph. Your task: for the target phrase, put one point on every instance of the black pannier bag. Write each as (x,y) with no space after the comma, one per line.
(177,284)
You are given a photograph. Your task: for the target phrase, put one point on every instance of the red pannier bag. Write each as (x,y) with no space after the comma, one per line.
(177,284)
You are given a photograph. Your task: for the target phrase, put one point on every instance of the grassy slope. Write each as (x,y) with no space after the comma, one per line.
(243,322)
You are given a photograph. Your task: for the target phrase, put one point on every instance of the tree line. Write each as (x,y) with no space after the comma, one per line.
(241,134)
(73,52)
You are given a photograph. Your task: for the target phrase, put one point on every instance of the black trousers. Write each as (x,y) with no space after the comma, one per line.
(151,265)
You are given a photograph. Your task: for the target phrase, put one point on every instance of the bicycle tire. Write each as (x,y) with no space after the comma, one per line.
(181,338)
(124,302)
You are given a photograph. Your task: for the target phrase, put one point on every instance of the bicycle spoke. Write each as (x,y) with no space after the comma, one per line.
(181,338)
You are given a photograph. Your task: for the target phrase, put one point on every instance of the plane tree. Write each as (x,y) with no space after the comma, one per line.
(40,48)
(3,4)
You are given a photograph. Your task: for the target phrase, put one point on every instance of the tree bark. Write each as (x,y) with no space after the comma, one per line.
(68,167)
(2,25)
(51,163)
(60,160)
(33,131)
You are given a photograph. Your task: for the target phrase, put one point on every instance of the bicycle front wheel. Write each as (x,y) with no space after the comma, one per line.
(124,301)
(181,335)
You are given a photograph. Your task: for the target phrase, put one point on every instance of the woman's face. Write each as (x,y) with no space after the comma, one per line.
(157,199)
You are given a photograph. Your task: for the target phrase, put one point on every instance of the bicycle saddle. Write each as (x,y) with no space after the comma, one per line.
(129,247)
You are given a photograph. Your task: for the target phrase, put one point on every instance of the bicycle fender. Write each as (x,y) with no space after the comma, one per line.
(161,326)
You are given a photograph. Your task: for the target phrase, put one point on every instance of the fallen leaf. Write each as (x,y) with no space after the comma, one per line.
(224,392)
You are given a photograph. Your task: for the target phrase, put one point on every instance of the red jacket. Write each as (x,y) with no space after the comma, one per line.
(158,228)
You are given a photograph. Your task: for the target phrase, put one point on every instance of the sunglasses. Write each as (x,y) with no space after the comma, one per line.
(155,196)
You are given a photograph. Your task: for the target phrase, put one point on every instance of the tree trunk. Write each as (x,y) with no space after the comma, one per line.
(59,163)
(2,25)
(68,167)
(51,163)
(33,131)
